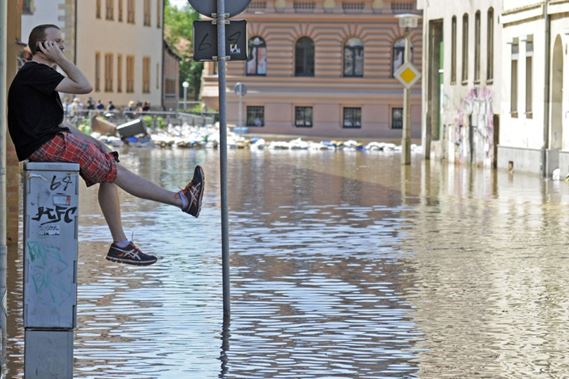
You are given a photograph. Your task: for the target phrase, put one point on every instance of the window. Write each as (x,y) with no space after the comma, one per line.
(158,13)
(352,118)
(514,78)
(354,58)
(108,72)
(396,118)
(146,75)
(157,75)
(130,74)
(303,117)
(453,51)
(477,47)
(529,76)
(130,11)
(170,87)
(97,72)
(109,10)
(98,9)
(464,75)
(28,7)
(398,57)
(120,10)
(304,57)
(146,12)
(256,116)
(490,46)
(257,60)
(119,73)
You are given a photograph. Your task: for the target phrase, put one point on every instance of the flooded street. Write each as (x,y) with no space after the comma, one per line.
(343,265)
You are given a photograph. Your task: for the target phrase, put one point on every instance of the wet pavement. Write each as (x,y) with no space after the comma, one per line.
(343,265)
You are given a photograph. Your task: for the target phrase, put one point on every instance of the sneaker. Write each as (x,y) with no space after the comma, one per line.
(130,254)
(194,193)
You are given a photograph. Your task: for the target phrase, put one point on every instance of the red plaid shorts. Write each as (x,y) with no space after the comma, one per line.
(95,166)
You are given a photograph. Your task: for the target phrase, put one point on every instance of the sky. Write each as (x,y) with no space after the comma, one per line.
(179,3)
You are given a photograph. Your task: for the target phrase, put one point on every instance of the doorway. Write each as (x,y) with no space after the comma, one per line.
(556,137)
(436,77)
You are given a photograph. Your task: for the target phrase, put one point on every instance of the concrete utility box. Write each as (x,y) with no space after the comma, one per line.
(50,245)
(49,354)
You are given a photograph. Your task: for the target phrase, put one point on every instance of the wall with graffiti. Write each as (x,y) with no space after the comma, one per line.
(469,127)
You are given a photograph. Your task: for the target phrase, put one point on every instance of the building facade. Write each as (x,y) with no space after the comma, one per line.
(461,82)
(120,49)
(534,136)
(171,83)
(321,68)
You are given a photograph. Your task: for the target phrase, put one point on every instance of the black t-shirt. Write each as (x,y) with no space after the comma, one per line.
(34,108)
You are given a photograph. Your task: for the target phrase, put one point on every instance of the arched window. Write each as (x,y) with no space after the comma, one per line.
(257,60)
(354,58)
(304,57)
(398,57)
(490,45)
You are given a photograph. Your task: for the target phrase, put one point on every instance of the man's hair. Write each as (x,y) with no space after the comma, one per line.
(38,35)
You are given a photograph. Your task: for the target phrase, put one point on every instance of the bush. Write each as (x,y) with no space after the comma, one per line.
(152,121)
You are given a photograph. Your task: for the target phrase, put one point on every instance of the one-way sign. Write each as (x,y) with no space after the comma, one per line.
(205,40)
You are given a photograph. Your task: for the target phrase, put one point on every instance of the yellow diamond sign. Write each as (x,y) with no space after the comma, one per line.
(407,74)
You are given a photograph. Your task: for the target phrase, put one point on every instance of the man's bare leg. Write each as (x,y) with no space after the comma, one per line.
(110,206)
(145,189)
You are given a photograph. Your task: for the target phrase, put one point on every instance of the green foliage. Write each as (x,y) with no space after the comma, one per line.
(178,30)
(154,122)
(197,108)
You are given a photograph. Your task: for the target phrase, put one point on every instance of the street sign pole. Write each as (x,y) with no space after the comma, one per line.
(406,134)
(221,56)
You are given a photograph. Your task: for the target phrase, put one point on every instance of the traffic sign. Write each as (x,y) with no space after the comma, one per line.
(205,40)
(240,89)
(407,74)
(209,7)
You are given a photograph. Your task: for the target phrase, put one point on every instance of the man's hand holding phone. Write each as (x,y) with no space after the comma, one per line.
(51,50)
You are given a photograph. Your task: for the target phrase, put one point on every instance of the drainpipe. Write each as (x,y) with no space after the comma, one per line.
(3,211)
(546,95)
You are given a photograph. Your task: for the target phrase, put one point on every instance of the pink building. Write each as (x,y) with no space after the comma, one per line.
(322,68)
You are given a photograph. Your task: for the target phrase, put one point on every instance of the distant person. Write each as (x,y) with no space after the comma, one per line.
(111,107)
(130,110)
(35,118)
(66,105)
(146,106)
(74,108)
(100,106)
(90,104)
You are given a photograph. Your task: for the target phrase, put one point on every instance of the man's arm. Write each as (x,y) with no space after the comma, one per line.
(76,82)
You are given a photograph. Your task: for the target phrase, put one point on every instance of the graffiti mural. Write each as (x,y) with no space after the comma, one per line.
(471,132)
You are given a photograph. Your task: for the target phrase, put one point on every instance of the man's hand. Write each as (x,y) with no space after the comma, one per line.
(52,51)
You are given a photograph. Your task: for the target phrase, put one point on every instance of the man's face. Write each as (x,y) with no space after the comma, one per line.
(55,35)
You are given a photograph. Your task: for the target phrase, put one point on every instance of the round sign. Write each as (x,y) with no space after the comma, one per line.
(208,7)
(240,89)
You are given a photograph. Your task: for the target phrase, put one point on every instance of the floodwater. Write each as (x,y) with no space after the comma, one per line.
(343,265)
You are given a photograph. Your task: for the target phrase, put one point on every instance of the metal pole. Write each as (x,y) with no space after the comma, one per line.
(3,207)
(406,134)
(546,94)
(221,17)
(240,111)
(185,98)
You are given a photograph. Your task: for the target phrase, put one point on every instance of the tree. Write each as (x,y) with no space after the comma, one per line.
(178,30)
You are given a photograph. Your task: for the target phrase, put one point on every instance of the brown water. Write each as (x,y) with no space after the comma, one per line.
(343,265)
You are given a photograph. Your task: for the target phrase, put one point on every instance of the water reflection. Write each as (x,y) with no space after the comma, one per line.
(343,265)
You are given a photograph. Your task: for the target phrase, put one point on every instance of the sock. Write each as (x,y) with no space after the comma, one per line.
(122,244)
(184,200)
